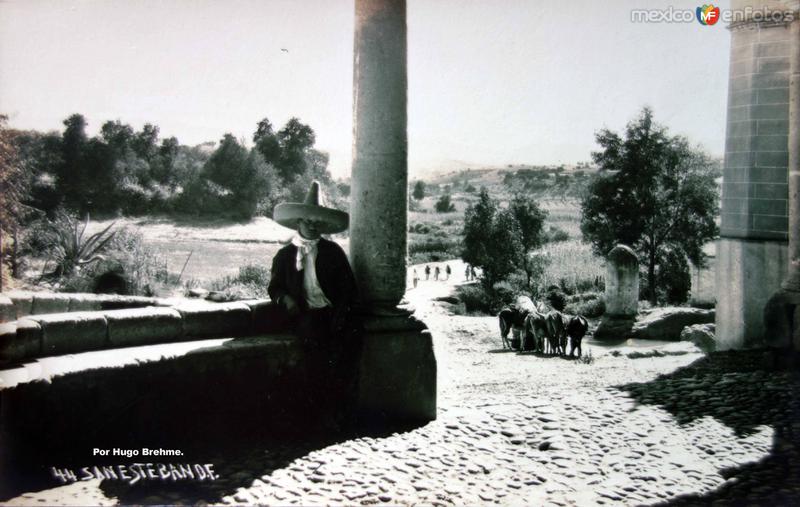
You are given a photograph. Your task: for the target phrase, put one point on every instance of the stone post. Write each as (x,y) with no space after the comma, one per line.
(622,282)
(752,253)
(782,312)
(622,294)
(397,376)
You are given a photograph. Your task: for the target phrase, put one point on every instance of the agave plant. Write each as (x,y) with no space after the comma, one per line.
(71,249)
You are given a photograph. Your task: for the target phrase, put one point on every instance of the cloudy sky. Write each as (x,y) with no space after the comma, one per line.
(491,82)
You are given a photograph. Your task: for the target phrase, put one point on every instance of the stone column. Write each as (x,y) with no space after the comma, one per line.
(752,250)
(782,312)
(397,373)
(622,294)
(380,149)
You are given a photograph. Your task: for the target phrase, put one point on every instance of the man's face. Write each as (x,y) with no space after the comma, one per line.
(309,229)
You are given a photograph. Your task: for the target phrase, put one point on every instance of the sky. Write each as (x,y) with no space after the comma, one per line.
(491,82)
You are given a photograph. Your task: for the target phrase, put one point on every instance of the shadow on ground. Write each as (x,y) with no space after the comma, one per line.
(238,459)
(743,390)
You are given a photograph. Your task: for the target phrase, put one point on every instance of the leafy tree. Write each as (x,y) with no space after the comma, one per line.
(12,190)
(530,218)
(266,142)
(655,193)
(72,179)
(419,190)
(294,139)
(443,205)
(491,239)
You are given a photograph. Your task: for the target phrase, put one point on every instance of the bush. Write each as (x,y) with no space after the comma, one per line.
(556,234)
(443,205)
(250,282)
(589,305)
(556,298)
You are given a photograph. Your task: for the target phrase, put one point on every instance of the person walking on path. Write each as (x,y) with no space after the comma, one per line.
(415,278)
(447,271)
(427,272)
(436,273)
(466,273)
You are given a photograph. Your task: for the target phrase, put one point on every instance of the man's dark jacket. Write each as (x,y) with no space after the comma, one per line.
(333,273)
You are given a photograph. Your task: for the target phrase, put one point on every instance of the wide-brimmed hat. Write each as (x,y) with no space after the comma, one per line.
(329,220)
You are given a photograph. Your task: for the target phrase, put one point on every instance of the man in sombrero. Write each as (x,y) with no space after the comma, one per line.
(313,283)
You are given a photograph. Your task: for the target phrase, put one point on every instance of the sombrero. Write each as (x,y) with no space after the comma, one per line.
(330,220)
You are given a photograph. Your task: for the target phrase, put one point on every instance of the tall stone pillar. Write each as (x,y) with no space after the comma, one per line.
(752,253)
(398,368)
(782,313)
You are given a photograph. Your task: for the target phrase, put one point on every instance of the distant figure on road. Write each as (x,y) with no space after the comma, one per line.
(436,273)
(427,272)
(415,278)
(466,273)
(472,272)
(447,271)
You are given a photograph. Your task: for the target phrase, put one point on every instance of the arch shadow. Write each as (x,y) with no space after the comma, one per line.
(743,390)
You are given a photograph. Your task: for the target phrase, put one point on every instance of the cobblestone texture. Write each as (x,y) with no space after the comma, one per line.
(659,424)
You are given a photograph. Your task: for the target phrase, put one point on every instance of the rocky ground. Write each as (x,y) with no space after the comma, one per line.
(636,424)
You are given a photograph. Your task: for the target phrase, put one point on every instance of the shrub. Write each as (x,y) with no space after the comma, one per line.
(556,298)
(250,282)
(591,308)
(556,234)
(443,205)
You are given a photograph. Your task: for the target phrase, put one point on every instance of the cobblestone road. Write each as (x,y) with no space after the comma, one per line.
(636,426)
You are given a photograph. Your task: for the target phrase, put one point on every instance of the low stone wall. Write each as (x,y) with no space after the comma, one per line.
(51,334)
(18,304)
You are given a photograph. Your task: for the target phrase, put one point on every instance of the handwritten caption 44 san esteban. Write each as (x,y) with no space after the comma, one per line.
(135,472)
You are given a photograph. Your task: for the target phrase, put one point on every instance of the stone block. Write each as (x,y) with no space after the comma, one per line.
(773,96)
(735,221)
(736,206)
(772,65)
(8,311)
(114,302)
(740,113)
(622,282)
(67,333)
(667,323)
(771,223)
(772,49)
(701,335)
(770,143)
(11,347)
(742,128)
(770,191)
(736,174)
(84,303)
(743,144)
(778,33)
(768,207)
(742,98)
(397,374)
(613,329)
(735,190)
(739,158)
(770,111)
(49,303)
(748,274)
(769,175)
(23,302)
(772,127)
(772,159)
(29,335)
(143,326)
(215,319)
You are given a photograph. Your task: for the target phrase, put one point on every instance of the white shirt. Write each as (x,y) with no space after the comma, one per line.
(306,260)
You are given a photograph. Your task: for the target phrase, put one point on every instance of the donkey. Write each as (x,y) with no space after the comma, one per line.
(576,329)
(556,330)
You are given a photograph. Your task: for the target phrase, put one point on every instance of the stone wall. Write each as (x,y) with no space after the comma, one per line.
(52,334)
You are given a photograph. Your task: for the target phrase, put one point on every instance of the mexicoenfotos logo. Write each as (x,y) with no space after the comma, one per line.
(707,14)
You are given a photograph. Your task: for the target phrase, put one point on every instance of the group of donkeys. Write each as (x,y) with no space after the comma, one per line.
(538,328)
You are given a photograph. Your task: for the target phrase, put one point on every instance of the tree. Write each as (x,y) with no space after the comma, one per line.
(419,190)
(12,188)
(294,139)
(443,205)
(71,176)
(491,239)
(655,193)
(530,218)
(266,142)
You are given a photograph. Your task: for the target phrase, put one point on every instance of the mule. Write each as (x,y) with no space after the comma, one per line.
(577,329)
